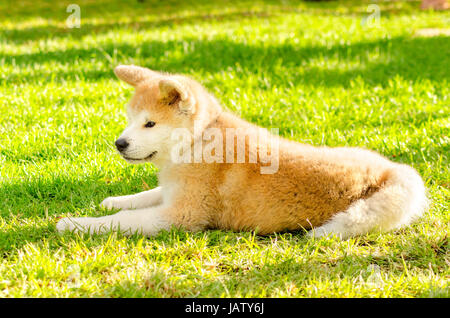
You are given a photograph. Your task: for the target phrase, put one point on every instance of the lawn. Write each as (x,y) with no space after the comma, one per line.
(316,71)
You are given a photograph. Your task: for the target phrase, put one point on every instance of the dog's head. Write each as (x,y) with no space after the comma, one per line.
(161,103)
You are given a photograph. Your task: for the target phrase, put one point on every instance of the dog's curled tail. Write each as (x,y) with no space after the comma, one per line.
(400,200)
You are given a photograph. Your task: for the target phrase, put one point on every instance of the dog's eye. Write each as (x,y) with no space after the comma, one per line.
(150,124)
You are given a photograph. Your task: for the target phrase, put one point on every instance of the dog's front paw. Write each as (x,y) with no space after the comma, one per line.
(66,224)
(114,203)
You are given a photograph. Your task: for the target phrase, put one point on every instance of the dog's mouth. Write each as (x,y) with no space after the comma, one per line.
(140,159)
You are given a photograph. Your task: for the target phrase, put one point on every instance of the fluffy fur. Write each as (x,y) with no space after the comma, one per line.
(340,191)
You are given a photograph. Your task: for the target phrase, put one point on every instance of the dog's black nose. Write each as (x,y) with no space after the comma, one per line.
(121,144)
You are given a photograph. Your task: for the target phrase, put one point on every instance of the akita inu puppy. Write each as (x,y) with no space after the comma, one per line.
(339,191)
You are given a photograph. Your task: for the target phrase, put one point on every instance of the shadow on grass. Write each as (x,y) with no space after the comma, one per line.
(56,193)
(53,32)
(284,65)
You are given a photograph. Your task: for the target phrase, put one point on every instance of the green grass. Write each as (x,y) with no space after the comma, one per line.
(310,69)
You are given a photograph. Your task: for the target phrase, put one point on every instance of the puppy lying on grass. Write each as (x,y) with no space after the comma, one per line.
(218,171)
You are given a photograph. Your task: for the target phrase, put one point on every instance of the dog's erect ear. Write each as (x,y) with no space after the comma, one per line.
(176,94)
(133,74)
